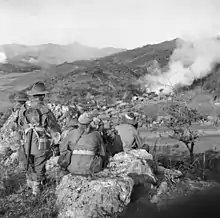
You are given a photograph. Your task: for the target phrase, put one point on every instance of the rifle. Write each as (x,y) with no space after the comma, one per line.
(30,134)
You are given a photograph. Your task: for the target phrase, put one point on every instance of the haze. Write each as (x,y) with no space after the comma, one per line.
(101,23)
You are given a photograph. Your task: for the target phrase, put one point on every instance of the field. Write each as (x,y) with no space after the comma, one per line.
(14,82)
(209,138)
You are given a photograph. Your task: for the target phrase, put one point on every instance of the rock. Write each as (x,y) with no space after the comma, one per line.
(13,157)
(52,164)
(169,173)
(80,198)
(111,189)
(133,163)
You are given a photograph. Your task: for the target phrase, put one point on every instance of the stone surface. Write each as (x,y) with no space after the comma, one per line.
(77,197)
(109,192)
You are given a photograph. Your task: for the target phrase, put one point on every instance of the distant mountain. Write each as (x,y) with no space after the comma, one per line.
(137,59)
(54,53)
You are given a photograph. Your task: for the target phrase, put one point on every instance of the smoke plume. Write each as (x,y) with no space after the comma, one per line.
(3,57)
(190,60)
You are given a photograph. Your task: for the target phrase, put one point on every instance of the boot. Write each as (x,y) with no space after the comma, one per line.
(36,188)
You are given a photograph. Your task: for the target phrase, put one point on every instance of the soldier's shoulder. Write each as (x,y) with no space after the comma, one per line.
(44,108)
(96,134)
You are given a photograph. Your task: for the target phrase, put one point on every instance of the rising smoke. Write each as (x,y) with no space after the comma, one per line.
(190,60)
(3,57)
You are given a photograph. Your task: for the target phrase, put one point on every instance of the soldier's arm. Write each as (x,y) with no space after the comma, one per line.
(138,140)
(64,142)
(53,127)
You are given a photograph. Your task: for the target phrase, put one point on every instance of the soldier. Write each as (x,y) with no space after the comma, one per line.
(20,107)
(128,132)
(21,99)
(86,146)
(41,131)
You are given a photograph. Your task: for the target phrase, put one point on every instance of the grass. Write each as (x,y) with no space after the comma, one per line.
(14,82)
(17,201)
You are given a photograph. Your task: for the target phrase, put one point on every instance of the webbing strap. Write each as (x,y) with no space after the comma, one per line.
(35,129)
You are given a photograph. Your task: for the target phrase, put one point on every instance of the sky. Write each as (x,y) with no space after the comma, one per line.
(103,23)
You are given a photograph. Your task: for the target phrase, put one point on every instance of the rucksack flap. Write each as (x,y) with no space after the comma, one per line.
(33,116)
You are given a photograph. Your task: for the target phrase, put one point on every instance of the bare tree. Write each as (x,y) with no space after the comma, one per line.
(181,119)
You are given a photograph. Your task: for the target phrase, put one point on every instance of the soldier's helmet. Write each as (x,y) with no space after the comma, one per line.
(38,89)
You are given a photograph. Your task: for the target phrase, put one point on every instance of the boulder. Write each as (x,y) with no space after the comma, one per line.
(77,197)
(109,191)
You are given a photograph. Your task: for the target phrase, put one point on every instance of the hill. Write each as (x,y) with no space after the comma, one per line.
(54,53)
(137,59)
(110,76)
(114,75)
(19,67)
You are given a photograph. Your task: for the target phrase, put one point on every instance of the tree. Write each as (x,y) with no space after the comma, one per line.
(181,119)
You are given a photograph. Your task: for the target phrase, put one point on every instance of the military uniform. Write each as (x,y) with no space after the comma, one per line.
(18,111)
(38,139)
(88,150)
(128,133)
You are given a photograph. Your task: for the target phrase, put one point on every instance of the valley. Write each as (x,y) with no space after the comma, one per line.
(12,82)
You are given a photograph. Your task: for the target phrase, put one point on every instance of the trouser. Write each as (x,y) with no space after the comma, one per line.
(36,171)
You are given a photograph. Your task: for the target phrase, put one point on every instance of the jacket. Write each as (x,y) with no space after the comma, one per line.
(129,136)
(87,153)
(50,126)
(17,123)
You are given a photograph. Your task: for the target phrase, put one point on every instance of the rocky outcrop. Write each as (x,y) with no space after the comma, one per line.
(80,198)
(109,191)
(9,137)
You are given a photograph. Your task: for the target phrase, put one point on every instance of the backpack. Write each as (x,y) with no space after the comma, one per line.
(36,121)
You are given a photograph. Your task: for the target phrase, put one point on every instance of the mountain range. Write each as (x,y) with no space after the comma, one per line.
(54,53)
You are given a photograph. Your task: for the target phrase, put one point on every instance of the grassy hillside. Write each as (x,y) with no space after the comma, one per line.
(113,75)
(110,76)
